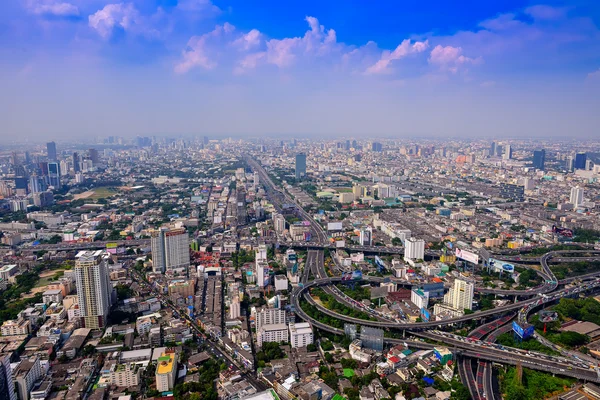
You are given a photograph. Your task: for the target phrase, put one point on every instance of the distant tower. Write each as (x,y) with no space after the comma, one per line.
(580,160)
(576,196)
(170,250)
(300,166)
(93,154)
(539,158)
(51,149)
(507,152)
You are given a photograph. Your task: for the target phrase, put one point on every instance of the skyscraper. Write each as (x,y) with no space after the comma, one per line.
(51,150)
(539,158)
(300,166)
(493,149)
(507,152)
(93,153)
(7,385)
(170,250)
(576,196)
(580,159)
(460,295)
(76,162)
(376,147)
(93,288)
(54,174)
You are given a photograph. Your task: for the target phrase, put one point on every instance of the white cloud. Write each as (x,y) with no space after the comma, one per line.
(52,8)
(250,40)
(405,48)
(594,75)
(204,6)
(450,58)
(119,16)
(201,50)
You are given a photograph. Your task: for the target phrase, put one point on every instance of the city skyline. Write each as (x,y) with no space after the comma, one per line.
(77,69)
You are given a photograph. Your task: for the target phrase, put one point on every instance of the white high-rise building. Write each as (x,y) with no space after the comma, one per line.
(278,223)
(234,308)
(7,385)
(170,250)
(366,236)
(414,249)
(269,316)
(576,196)
(260,273)
(261,253)
(272,333)
(93,288)
(460,295)
(419,298)
(301,334)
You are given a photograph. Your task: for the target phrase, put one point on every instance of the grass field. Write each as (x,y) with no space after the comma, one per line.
(343,190)
(47,277)
(102,193)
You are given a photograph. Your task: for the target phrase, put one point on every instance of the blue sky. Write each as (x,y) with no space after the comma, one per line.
(80,68)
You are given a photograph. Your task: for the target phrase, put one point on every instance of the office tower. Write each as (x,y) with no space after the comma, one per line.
(580,159)
(21,186)
(493,149)
(54,174)
(414,249)
(93,155)
(51,150)
(14,158)
(205,140)
(93,288)
(36,184)
(300,166)
(354,145)
(576,196)
(377,147)
(460,295)
(507,152)
(512,192)
(366,236)
(27,158)
(43,199)
(570,164)
(76,163)
(7,386)
(170,250)
(539,158)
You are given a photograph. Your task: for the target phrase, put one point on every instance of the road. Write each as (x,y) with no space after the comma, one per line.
(214,348)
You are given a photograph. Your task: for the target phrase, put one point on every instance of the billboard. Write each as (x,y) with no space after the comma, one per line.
(523,333)
(425,315)
(500,266)
(334,226)
(467,256)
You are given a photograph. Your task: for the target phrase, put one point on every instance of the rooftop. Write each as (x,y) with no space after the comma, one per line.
(166,363)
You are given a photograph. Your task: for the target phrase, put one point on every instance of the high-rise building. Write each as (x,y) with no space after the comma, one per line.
(414,249)
(580,159)
(576,196)
(300,166)
(570,164)
(205,140)
(507,152)
(269,316)
(366,236)
(539,158)
(493,149)
(54,174)
(43,199)
(93,155)
(260,273)
(301,334)
(170,250)
(27,373)
(7,386)
(460,296)
(51,150)
(93,288)
(376,147)
(166,371)
(76,162)
(36,184)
